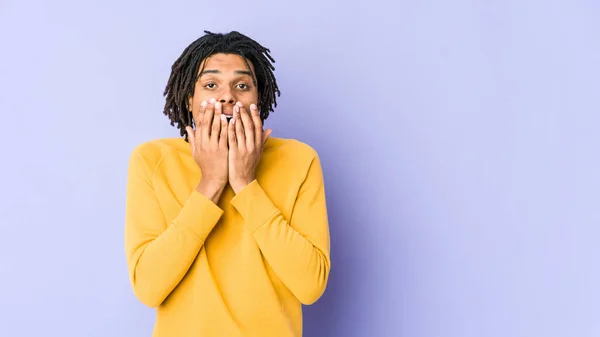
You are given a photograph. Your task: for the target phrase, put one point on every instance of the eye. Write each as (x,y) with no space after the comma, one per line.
(210,85)
(243,86)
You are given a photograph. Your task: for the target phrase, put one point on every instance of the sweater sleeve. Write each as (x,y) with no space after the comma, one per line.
(297,248)
(158,253)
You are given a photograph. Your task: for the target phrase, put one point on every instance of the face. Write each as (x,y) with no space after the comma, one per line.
(227,79)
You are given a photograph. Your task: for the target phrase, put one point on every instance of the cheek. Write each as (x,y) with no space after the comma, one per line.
(246,101)
(250,97)
(199,97)
(196,101)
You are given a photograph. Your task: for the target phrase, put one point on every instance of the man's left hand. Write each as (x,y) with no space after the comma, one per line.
(246,141)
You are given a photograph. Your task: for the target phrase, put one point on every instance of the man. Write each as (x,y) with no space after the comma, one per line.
(226,228)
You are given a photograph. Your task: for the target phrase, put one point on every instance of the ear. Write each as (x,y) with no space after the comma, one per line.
(190,100)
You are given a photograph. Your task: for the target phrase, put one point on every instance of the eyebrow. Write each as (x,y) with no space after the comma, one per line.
(216,71)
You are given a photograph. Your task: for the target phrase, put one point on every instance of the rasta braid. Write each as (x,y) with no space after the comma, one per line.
(184,74)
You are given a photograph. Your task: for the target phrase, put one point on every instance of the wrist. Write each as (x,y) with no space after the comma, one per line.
(211,188)
(240,184)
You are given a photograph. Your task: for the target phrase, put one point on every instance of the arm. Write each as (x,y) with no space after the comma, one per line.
(160,254)
(297,249)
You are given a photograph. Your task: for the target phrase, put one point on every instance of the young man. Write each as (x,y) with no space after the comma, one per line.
(226,228)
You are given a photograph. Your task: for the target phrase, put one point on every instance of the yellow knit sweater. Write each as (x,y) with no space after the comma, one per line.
(242,267)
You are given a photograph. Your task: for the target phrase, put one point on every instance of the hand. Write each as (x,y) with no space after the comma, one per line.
(209,147)
(246,141)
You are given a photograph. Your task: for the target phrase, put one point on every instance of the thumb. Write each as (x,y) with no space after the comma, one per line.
(266,135)
(190,134)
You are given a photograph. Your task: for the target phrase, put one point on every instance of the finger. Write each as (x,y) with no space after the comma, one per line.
(239,127)
(223,135)
(258,132)
(198,119)
(216,124)
(206,123)
(231,133)
(248,128)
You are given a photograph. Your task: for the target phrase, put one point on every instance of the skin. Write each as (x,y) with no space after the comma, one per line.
(226,152)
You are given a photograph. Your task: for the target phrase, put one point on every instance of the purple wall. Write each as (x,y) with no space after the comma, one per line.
(459,142)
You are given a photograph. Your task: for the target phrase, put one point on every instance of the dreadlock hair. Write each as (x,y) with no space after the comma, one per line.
(185,74)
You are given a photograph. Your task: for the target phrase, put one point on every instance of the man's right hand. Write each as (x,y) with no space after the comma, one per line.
(209,149)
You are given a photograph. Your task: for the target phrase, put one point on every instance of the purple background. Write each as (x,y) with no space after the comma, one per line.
(459,142)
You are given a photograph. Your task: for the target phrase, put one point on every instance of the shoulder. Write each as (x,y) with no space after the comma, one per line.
(293,156)
(152,152)
(291,149)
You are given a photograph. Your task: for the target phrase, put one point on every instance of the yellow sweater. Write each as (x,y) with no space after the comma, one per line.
(242,267)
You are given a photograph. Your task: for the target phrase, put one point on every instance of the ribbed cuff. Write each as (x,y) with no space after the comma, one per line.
(199,214)
(254,205)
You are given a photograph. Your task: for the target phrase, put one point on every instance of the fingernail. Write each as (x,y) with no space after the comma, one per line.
(203,104)
(253,106)
(212,101)
(223,118)
(218,105)
(232,121)
(239,104)
(236,108)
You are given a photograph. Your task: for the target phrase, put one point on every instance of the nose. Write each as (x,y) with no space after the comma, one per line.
(227,97)
(229,101)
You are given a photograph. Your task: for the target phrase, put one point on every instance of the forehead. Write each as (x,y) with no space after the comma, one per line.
(226,63)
